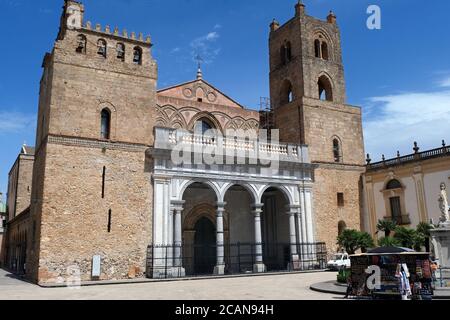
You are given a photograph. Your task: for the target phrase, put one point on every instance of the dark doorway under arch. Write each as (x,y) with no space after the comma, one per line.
(204,246)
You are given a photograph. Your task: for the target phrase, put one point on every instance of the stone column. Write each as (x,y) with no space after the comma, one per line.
(220,266)
(294,263)
(161,213)
(259,266)
(178,261)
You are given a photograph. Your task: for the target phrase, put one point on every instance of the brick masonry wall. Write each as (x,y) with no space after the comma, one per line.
(75,216)
(24,183)
(308,120)
(70,215)
(329,182)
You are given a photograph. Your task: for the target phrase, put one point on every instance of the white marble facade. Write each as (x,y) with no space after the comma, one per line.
(292,177)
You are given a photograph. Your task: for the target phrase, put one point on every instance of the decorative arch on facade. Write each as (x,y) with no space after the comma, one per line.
(392,177)
(208,116)
(322,41)
(204,210)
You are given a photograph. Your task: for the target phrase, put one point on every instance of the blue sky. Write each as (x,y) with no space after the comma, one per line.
(400,74)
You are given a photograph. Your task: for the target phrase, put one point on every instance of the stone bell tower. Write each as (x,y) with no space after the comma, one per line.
(91,183)
(308,95)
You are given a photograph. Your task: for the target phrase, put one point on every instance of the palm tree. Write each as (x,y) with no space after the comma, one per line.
(388,242)
(349,240)
(406,237)
(365,241)
(386,226)
(424,229)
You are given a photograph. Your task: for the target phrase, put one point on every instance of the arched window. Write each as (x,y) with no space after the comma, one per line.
(121,51)
(288,51)
(106,124)
(337,152)
(137,55)
(324,49)
(287,95)
(101,45)
(325,89)
(394,197)
(393,184)
(203,126)
(317,48)
(81,44)
(283,55)
(342,226)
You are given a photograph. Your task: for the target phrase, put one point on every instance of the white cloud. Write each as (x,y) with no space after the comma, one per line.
(218,26)
(212,36)
(14,122)
(175,50)
(206,47)
(445,83)
(394,122)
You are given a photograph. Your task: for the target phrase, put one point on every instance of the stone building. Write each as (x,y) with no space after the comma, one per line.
(307,89)
(406,189)
(115,193)
(2,227)
(14,249)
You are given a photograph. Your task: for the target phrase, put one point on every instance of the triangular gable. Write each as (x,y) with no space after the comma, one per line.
(199,91)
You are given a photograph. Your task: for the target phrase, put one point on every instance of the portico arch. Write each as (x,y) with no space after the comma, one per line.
(286,193)
(187,183)
(250,189)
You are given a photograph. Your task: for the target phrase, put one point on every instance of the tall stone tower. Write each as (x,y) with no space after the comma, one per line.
(91,183)
(308,96)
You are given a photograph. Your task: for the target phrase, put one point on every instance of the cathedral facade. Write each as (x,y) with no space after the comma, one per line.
(111,198)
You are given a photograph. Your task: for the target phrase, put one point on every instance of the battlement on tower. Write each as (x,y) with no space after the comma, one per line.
(107,31)
(73,19)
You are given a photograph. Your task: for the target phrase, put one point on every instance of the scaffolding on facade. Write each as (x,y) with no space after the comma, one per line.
(266,114)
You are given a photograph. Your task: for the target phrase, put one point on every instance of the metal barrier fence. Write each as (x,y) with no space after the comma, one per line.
(442,277)
(190,260)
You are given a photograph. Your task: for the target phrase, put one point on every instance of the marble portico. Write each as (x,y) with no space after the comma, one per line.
(291,181)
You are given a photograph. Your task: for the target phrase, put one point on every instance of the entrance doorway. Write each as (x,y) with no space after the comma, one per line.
(205,255)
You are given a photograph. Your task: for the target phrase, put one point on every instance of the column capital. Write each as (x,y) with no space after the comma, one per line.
(161,179)
(293,209)
(177,205)
(257,206)
(221,205)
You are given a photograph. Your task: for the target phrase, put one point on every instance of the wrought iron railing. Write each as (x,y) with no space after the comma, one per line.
(442,277)
(400,220)
(192,260)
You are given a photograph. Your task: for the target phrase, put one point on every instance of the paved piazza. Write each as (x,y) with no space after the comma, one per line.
(278,287)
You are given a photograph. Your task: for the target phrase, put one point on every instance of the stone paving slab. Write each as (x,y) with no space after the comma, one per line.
(269,287)
(340,289)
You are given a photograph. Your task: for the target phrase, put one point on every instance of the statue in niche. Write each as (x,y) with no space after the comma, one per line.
(443,204)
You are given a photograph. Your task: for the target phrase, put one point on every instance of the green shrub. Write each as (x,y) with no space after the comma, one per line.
(343,275)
